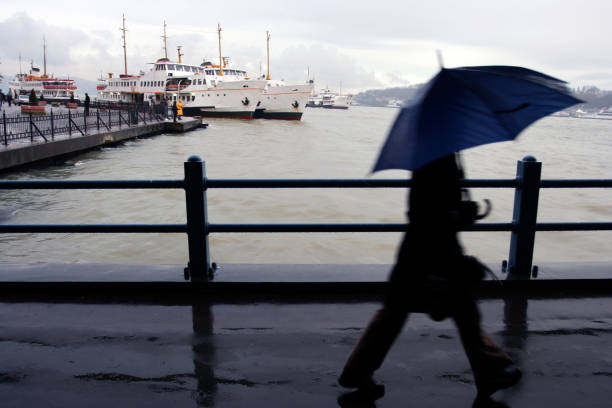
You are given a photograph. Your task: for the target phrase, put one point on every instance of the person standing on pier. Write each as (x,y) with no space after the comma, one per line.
(432,275)
(86,104)
(174,111)
(179,110)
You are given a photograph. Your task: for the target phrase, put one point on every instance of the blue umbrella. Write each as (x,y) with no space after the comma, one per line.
(465,107)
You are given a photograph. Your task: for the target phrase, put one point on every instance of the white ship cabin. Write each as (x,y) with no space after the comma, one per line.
(43,85)
(164,80)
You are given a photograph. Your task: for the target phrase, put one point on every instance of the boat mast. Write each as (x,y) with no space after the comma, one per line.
(178,49)
(268,52)
(124,47)
(44,57)
(165,41)
(220,58)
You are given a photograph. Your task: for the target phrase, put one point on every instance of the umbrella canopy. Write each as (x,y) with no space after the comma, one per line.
(470,106)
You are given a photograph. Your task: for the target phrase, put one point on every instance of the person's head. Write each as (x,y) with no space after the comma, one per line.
(447,167)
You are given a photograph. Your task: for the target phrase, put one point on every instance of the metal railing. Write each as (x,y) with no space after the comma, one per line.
(101,117)
(523,226)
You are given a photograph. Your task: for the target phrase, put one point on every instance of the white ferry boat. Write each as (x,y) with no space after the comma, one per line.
(280,100)
(206,90)
(45,87)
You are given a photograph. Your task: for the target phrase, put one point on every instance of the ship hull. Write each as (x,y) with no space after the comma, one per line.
(283,102)
(262,114)
(212,113)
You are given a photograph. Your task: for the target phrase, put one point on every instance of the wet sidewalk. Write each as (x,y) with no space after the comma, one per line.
(289,354)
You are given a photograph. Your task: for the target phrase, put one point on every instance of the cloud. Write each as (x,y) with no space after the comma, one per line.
(327,65)
(23,35)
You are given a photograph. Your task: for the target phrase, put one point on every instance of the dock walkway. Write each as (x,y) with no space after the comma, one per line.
(24,152)
(224,351)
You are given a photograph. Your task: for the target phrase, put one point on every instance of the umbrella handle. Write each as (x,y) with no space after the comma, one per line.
(487,210)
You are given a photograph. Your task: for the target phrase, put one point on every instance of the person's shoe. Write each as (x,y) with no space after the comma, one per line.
(498,380)
(488,402)
(362,397)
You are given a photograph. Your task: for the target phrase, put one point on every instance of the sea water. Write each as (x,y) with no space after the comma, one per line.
(325,144)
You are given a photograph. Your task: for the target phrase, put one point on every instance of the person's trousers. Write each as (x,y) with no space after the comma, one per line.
(484,355)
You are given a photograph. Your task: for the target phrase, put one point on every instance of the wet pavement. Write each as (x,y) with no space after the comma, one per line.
(289,354)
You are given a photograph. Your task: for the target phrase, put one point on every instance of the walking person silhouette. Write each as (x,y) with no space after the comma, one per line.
(432,275)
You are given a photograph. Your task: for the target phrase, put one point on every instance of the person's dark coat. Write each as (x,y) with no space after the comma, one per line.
(431,247)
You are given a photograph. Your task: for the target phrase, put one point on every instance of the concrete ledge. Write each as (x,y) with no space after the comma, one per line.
(31,153)
(256,282)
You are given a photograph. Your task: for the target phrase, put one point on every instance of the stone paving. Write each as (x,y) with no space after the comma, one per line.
(289,354)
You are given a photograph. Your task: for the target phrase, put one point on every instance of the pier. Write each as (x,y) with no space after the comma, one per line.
(27,139)
(234,335)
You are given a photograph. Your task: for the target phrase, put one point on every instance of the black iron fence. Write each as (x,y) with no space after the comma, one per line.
(99,117)
(198,227)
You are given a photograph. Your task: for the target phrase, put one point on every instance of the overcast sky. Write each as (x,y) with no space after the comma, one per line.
(354,44)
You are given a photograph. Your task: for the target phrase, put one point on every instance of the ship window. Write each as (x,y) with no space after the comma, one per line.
(193,98)
(217,72)
(171,67)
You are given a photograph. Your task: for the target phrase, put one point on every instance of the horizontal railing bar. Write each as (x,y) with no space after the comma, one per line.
(343,183)
(94,228)
(289,227)
(89,184)
(283,183)
(576,183)
(574,226)
(359,227)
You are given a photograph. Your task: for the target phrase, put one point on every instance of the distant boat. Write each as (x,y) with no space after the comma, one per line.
(394,103)
(44,86)
(329,100)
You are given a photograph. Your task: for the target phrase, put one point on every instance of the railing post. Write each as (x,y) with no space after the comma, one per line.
(69,123)
(31,130)
(52,128)
(528,172)
(197,225)
(4,125)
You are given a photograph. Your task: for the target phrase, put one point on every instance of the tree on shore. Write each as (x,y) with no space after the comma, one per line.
(33,98)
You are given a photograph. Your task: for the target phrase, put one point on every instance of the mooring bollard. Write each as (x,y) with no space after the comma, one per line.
(197,225)
(528,174)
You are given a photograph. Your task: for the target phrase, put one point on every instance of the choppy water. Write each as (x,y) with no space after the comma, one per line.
(325,144)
